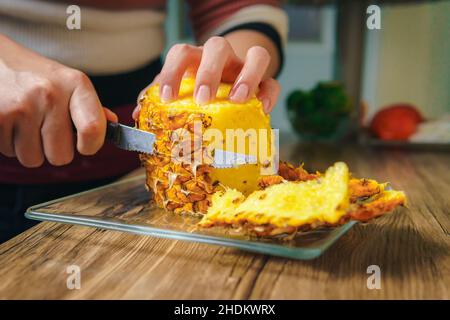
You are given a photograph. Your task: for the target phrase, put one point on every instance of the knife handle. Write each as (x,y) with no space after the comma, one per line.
(112,131)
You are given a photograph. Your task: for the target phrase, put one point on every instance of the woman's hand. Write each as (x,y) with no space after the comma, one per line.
(39,101)
(214,62)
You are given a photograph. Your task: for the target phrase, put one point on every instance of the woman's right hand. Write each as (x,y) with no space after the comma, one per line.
(39,101)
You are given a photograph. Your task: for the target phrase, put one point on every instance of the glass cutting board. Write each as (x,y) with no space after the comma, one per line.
(125,206)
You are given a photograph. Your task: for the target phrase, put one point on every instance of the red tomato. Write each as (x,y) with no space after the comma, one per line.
(396,122)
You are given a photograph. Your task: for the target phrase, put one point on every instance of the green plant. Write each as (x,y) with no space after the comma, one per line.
(319,112)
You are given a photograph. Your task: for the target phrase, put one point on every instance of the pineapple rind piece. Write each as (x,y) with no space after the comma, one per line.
(368,200)
(376,205)
(292,204)
(364,188)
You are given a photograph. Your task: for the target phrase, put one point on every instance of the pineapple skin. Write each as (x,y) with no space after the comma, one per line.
(184,187)
(291,204)
(300,201)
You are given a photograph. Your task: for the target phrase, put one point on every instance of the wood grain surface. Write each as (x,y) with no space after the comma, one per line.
(411,247)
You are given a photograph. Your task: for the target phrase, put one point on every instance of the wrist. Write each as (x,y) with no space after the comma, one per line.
(261,34)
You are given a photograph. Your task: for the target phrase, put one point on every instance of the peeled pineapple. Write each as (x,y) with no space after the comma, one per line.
(250,196)
(187,186)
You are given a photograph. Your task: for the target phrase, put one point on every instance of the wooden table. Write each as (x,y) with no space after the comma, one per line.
(411,247)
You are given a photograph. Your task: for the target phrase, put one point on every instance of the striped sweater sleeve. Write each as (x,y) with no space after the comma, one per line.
(219,17)
(215,16)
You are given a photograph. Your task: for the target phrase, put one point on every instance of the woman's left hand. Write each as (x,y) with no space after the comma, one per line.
(216,62)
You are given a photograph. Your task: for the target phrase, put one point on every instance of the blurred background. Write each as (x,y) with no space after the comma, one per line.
(402,68)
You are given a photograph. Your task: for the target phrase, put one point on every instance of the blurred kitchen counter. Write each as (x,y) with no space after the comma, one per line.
(411,247)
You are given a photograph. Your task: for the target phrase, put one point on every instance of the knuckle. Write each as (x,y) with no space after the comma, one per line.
(91,129)
(22,107)
(44,91)
(180,49)
(75,76)
(260,52)
(218,43)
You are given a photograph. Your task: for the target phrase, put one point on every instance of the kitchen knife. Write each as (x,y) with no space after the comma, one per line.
(133,139)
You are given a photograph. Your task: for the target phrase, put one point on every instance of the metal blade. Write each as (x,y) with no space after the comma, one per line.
(227,159)
(133,139)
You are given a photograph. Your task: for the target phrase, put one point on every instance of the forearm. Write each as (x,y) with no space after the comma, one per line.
(242,40)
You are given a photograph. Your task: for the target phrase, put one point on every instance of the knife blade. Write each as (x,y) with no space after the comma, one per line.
(129,138)
(133,139)
(227,159)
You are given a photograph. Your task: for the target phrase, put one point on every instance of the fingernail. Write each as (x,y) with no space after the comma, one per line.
(240,94)
(203,94)
(266,104)
(166,93)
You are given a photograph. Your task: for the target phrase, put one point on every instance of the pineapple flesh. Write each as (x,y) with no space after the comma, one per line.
(289,200)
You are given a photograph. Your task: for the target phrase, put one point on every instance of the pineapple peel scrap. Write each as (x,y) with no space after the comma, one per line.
(285,207)
(288,204)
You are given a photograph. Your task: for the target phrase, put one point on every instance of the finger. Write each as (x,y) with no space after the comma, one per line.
(88,117)
(255,66)
(178,59)
(6,139)
(57,137)
(269,90)
(110,115)
(27,142)
(216,52)
(136,112)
